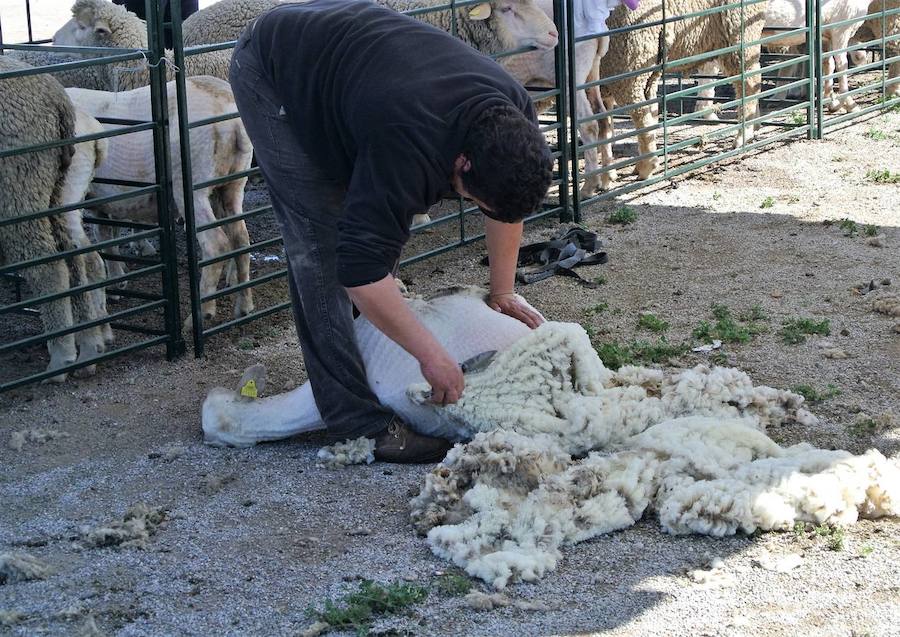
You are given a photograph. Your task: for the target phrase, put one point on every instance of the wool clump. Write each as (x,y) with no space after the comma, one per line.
(689,447)
(341,454)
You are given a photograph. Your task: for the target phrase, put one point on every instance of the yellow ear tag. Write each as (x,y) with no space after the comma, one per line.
(249,389)
(480,12)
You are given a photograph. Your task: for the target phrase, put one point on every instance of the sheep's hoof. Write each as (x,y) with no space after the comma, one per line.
(587,191)
(59,378)
(711,117)
(85,372)
(108,336)
(420,220)
(243,306)
(645,168)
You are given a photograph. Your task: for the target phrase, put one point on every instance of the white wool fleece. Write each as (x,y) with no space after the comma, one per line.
(689,446)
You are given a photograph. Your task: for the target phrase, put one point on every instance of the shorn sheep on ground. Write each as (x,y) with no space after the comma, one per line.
(37,110)
(562,449)
(647,47)
(100,23)
(217,150)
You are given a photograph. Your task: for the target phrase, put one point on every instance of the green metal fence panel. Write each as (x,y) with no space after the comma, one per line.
(455,223)
(143,315)
(698,112)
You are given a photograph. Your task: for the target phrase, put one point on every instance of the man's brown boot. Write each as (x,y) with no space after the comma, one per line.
(398,443)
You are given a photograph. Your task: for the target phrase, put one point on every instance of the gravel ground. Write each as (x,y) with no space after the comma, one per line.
(254,537)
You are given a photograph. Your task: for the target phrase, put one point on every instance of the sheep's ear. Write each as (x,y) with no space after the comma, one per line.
(101,27)
(480,11)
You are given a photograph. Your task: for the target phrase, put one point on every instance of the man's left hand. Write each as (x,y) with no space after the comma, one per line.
(515,306)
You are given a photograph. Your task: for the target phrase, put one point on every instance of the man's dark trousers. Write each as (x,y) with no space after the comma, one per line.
(307,205)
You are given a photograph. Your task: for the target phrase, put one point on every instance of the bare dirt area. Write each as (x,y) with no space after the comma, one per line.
(249,539)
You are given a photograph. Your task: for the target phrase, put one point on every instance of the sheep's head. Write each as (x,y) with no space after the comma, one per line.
(101,23)
(517,23)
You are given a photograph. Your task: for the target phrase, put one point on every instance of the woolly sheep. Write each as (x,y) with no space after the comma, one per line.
(100,23)
(872,29)
(217,150)
(491,27)
(642,48)
(538,69)
(222,21)
(37,110)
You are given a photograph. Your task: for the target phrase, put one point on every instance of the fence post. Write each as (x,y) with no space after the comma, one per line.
(160,114)
(562,100)
(572,82)
(815,68)
(187,178)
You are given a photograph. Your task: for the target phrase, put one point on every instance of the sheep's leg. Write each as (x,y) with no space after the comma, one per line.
(705,95)
(213,242)
(96,272)
(590,133)
(89,340)
(644,117)
(233,202)
(145,248)
(31,240)
(894,74)
(114,268)
(749,88)
(842,102)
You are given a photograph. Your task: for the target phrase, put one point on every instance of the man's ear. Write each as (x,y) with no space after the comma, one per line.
(462,164)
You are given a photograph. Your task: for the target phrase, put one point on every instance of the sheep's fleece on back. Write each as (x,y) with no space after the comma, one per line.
(689,446)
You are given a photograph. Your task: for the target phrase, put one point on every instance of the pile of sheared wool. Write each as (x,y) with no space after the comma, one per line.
(688,446)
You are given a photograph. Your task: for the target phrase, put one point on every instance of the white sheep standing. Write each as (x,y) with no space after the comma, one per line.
(647,47)
(100,23)
(538,69)
(37,110)
(217,150)
(872,29)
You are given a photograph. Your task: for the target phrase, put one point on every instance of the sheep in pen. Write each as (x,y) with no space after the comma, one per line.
(554,448)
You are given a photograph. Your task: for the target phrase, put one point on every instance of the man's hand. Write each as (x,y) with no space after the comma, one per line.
(515,306)
(445,377)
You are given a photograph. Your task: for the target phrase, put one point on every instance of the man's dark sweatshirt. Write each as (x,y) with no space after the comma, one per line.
(382,103)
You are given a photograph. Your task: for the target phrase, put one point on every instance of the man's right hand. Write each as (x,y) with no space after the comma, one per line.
(445,377)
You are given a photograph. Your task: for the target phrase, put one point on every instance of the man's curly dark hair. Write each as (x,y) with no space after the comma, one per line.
(511,164)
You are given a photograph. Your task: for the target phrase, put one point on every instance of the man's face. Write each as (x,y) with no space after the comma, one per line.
(461,166)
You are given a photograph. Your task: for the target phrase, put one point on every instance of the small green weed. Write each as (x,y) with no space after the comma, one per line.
(356,610)
(245,344)
(870,230)
(719,358)
(864,427)
(794,331)
(594,310)
(615,354)
(798,118)
(799,528)
(768,202)
(883,176)
(717,196)
(600,280)
(453,584)
(813,395)
(652,322)
(623,216)
(755,313)
(875,134)
(834,536)
(893,108)
(848,226)
(866,550)
(725,329)
(839,158)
